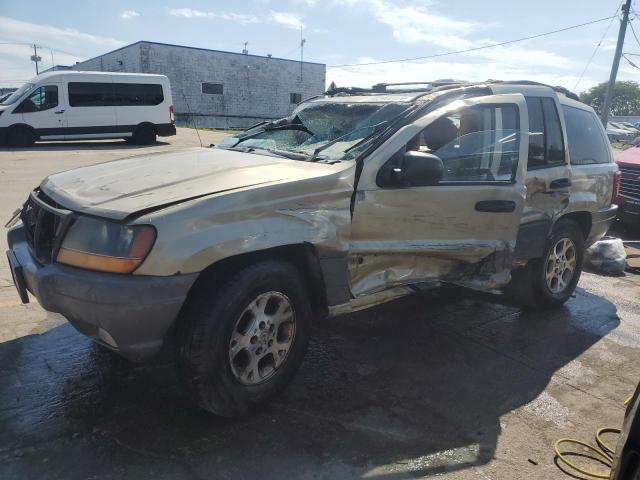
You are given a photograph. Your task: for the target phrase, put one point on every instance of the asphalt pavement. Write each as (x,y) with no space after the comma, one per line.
(444,384)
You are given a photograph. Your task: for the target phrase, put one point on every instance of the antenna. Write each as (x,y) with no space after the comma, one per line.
(302,42)
(244,50)
(193,119)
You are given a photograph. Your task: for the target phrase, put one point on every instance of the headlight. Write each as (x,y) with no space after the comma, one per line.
(106,246)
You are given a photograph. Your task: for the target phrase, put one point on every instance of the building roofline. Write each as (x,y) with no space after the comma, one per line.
(201,49)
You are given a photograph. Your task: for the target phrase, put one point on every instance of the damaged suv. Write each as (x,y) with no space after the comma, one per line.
(357,198)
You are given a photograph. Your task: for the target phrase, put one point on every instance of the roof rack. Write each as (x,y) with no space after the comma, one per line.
(429,86)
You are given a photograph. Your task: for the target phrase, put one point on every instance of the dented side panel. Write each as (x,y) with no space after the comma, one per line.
(403,236)
(198,233)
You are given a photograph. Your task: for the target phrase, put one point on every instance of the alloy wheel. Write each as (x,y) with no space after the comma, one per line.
(561,265)
(262,338)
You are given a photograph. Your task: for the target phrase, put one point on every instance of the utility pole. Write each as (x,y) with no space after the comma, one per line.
(244,50)
(35,58)
(302,42)
(616,62)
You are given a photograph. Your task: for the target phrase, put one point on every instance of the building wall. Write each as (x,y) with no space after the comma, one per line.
(254,88)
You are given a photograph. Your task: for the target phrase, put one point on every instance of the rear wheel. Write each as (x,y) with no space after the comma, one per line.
(21,137)
(145,135)
(556,274)
(241,342)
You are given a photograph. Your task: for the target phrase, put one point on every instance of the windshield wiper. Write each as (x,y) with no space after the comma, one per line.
(314,157)
(267,128)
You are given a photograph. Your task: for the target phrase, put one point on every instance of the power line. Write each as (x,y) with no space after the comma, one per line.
(595,50)
(508,42)
(46,47)
(634,32)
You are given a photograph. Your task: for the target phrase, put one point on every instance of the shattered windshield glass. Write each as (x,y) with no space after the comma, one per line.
(321,130)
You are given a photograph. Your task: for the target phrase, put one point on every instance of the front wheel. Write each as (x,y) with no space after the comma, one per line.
(241,342)
(21,137)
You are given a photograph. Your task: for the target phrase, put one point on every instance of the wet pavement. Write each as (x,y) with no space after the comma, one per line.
(438,384)
(424,385)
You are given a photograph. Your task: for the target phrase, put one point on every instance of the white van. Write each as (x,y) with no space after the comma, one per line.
(72,105)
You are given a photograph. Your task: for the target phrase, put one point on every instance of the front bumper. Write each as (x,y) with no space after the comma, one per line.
(130,314)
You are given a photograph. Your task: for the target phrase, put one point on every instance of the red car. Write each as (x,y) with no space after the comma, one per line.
(629,194)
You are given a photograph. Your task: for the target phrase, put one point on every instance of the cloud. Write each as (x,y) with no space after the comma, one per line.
(414,24)
(475,71)
(417,24)
(287,19)
(69,46)
(128,14)
(240,18)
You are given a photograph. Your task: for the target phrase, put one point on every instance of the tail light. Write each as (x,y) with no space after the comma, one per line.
(615,196)
(172,117)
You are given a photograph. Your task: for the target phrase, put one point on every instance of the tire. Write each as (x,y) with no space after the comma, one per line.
(145,135)
(213,352)
(554,279)
(21,137)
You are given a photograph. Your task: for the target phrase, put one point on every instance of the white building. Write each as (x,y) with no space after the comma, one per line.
(219,89)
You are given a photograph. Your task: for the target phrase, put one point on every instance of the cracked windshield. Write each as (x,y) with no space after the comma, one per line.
(326,130)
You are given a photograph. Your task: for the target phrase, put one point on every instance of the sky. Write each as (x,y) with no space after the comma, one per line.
(337,32)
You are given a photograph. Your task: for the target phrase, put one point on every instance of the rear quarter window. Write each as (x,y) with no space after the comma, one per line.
(587,143)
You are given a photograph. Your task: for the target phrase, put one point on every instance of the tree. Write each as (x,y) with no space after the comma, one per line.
(625,100)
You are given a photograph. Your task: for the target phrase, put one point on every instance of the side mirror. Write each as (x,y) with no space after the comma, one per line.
(419,169)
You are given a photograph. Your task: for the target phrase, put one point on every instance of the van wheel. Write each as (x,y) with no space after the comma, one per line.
(21,137)
(145,135)
(240,342)
(555,275)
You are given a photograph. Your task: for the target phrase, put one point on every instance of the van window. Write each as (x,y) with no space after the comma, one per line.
(475,144)
(546,143)
(136,94)
(586,141)
(42,98)
(90,94)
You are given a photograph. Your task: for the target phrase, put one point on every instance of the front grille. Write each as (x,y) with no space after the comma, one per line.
(44,222)
(630,182)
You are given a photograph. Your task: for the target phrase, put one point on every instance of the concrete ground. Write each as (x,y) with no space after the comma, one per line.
(428,385)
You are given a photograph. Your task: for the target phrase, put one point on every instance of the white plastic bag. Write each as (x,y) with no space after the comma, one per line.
(606,256)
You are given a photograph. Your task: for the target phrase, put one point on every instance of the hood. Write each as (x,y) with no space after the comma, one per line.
(629,157)
(124,187)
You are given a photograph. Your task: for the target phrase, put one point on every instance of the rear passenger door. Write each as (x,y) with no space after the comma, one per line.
(91,112)
(548,179)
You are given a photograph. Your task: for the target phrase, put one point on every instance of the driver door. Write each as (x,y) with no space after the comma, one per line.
(44,110)
(461,228)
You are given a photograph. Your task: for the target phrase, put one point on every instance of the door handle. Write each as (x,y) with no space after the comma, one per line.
(560,183)
(497,206)
(60,111)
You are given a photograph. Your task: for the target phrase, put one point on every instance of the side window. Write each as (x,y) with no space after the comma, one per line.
(137,94)
(536,133)
(476,144)
(554,151)
(89,94)
(586,141)
(42,98)
(546,144)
